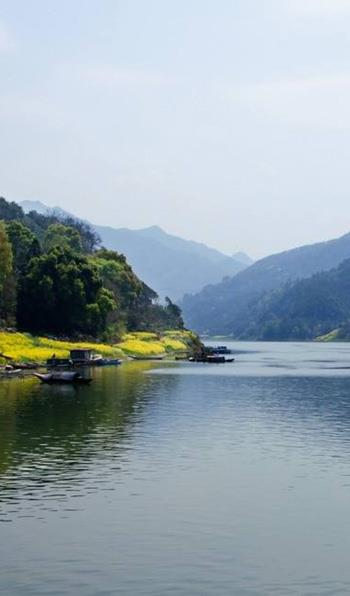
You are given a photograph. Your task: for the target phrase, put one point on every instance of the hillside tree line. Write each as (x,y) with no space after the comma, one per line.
(56,278)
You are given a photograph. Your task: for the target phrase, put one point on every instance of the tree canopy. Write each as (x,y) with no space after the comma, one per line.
(54,279)
(61,292)
(63,236)
(6,261)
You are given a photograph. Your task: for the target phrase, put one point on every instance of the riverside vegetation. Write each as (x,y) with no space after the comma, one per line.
(23,347)
(300,294)
(57,281)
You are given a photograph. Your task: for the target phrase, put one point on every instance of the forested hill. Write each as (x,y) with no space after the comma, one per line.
(56,278)
(306,309)
(171,265)
(227,308)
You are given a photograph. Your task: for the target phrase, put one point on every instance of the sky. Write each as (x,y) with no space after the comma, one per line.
(225,122)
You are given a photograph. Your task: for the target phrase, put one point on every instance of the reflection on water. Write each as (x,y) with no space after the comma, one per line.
(50,434)
(181,478)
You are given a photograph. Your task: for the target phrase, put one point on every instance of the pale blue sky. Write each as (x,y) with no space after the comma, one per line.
(223,121)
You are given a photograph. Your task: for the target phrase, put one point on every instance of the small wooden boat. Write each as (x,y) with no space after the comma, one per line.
(111,362)
(63,378)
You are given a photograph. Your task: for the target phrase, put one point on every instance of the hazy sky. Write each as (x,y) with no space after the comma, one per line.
(223,121)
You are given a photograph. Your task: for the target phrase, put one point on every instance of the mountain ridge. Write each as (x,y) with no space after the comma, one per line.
(225,308)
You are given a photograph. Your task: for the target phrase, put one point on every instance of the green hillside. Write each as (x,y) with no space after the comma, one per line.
(311,308)
(56,278)
(233,306)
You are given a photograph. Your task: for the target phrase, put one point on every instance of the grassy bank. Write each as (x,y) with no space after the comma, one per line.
(23,347)
(332,336)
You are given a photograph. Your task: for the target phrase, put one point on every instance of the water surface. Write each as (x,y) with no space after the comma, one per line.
(181,478)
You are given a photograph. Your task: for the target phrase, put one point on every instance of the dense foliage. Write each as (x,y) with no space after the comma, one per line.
(39,224)
(305,309)
(6,269)
(301,310)
(237,306)
(55,279)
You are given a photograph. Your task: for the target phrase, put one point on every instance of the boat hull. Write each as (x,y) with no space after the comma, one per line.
(63,379)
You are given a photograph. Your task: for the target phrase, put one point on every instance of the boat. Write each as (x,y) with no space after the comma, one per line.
(85,357)
(211,359)
(156,357)
(100,361)
(111,362)
(26,365)
(221,350)
(59,362)
(63,378)
(12,365)
(10,372)
(96,360)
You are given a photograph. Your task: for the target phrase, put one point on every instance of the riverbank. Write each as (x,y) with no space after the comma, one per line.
(23,347)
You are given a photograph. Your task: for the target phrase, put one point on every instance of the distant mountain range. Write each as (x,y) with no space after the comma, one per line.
(169,264)
(248,305)
(305,309)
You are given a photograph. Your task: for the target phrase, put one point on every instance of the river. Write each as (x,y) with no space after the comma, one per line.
(176,478)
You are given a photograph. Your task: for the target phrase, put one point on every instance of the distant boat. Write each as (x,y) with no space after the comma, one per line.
(156,357)
(221,350)
(63,378)
(110,362)
(211,359)
(85,357)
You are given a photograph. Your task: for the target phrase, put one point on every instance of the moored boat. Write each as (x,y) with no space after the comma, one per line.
(59,362)
(111,362)
(156,357)
(9,371)
(221,350)
(211,359)
(63,378)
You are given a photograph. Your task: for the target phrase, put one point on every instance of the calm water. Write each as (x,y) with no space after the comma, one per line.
(181,479)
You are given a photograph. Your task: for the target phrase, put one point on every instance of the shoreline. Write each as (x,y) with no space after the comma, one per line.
(24,347)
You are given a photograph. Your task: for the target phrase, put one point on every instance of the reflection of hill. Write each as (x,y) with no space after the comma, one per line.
(54,434)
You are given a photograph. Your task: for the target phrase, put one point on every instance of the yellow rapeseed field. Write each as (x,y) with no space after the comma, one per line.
(143,344)
(25,347)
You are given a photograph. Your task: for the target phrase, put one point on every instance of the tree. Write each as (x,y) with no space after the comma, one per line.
(89,238)
(174,314)
(64,236)
(10,211)
(62,293)
(24,245)
(5,274)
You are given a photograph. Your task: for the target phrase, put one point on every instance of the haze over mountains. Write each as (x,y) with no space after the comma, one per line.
(259,301)
(169,264)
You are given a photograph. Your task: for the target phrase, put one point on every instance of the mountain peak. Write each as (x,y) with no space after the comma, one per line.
(242,257)
(154,231)
(37,206)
